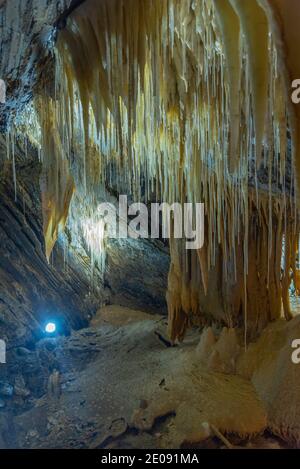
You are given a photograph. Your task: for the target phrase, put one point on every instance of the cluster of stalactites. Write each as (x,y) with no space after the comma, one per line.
(57,184)
(225,293)
(182,94)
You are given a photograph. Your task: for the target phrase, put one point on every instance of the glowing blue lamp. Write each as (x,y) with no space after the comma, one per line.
(50,328)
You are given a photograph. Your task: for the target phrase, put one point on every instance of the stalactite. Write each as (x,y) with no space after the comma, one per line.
(229,25)
(182,97)
(247,292)
(57,185)
(255,29)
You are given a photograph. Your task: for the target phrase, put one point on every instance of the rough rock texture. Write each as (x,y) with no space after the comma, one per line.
(99,393)
(25,29)
(267,363)
(120,379)
(219,354)
(33,291)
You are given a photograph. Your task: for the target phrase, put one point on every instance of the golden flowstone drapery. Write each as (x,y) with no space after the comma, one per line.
(191,96)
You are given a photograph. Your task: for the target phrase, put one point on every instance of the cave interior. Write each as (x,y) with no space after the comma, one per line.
(130,339)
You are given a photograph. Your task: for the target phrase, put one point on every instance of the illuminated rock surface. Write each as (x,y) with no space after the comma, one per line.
(174,101)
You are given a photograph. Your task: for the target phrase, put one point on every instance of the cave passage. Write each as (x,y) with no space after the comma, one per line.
(149,224)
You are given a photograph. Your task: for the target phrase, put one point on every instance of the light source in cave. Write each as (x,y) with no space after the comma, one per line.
(50,328)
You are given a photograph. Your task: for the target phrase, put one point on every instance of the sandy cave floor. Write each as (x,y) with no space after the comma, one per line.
(121,385)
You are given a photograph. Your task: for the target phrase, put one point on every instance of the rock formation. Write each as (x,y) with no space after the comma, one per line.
(175,101)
